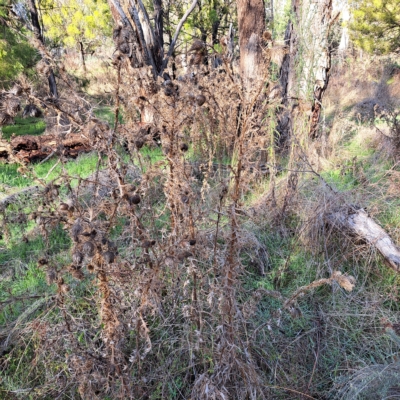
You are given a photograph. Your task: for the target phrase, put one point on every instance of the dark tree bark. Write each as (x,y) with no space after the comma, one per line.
(39,37)
(158,31)
(149,40)
(215,25)
(82,51)
(27,148)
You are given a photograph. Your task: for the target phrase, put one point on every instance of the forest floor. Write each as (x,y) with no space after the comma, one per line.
(338,346)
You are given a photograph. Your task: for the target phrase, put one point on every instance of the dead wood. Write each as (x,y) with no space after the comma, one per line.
(362,225)
(12,198)
(26,149)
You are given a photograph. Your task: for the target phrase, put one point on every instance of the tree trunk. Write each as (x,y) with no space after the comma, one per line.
(215,25)
(251,22)
(82,51)
(344,39)
(305,69)
(38,34)
(158,31)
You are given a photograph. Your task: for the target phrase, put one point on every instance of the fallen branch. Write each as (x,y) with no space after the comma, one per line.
(347,282)
(359,223)
(12,198)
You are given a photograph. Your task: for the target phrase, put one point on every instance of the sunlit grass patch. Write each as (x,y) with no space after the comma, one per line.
(9,176)
(81,167)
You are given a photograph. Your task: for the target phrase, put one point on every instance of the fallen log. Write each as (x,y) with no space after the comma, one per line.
(362,225)
(12,198)
(26,149)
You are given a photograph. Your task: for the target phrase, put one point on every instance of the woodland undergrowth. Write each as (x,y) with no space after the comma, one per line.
(170,283)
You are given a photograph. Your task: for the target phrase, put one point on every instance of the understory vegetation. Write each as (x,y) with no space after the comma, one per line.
(193,248)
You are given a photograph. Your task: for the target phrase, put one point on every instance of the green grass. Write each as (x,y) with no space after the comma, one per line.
(20,274)
(9,176)
(83,166)
(152,154)
(107,114)
(11,179)
(24,126)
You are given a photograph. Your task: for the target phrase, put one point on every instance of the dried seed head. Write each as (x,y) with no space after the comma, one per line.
(43,261)
(184,147)
(77,257)
(90,267)
(77,274)
(168,91)
(65,288)
(63,208)
(148,243)
(90,233)
(51,276)
(197,46)
(184,254)
(267,35)
(88,248)
(112,246)
(200,99)
(135,199)
(108,257)
(139,144)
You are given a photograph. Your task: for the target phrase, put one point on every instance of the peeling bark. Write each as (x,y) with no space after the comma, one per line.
(251,23)
(305,69)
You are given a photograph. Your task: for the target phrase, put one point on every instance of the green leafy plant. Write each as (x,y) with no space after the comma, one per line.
(376,25)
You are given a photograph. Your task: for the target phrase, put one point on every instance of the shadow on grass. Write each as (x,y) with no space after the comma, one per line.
(24,126)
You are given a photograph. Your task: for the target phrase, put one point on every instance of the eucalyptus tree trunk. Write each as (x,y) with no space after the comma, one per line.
(305,69)
(82,51)
(39,37)
(143,42)
(251,24)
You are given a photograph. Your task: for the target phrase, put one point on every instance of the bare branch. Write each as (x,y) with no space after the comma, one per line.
(178,29)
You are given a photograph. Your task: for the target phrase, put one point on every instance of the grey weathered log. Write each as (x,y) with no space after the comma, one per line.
(359,223)
(12,198)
